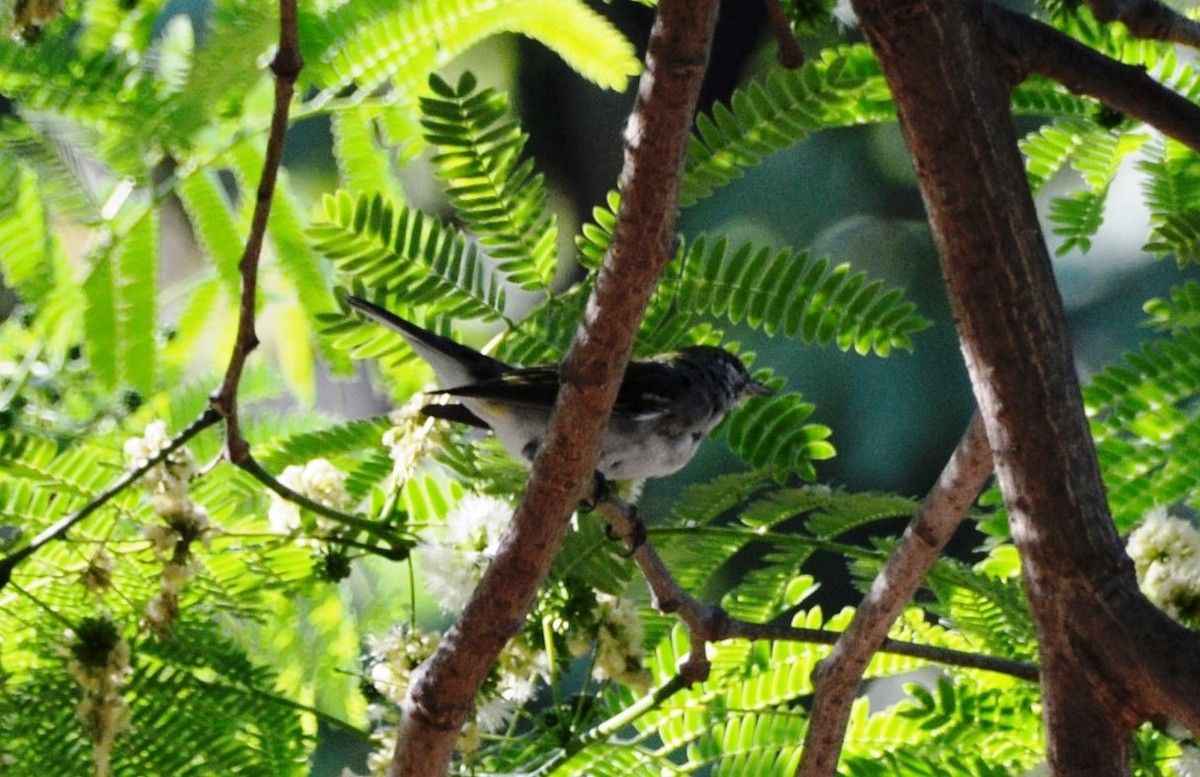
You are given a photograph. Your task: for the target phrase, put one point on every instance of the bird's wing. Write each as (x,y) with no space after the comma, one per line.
(528,387)
(649,389)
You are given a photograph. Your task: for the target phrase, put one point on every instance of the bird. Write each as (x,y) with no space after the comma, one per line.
(665,406)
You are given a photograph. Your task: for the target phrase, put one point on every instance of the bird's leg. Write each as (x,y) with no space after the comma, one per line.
(601,492)
(623,522)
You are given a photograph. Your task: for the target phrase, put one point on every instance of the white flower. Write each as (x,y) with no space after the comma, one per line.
(1166,555)
(283,517)
(171,476)
(320,481)
(1188,762)
(619,648)
(519,667)
(844,15)
(453,557)
(392,658)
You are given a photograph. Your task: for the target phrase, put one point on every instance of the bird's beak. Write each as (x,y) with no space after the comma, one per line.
(756,389)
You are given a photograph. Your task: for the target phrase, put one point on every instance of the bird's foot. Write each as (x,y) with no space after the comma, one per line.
(637,532)
(602,491)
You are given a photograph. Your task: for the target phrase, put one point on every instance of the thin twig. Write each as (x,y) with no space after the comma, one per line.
(63,525)
(839,676)
(286,66)
(371,528)
(1034,47)
(790,54)
(1149,19)
(710,623)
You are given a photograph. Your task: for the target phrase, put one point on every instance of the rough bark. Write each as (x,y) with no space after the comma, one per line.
(1109,658)
(839,676)
(443,693)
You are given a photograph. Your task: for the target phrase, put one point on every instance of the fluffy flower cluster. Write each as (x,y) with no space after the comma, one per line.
(454,556)
(619,643)
(101,671)
(1166,554)
(169,478)
(97,577)
(320,481)
(407,440)
(392,659)
(184,523)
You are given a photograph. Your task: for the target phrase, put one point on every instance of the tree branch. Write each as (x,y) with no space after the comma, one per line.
(1110,659)
(1033,47)
(286,66)
(1148,19)
(790,55)
(711,623)
(443,691)
(839,676)
(59,528)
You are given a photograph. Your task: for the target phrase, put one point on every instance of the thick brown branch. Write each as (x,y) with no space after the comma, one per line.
(1149,19)
(1109,658)
(443,693)
(286,67)
(839,676)
(1033,47)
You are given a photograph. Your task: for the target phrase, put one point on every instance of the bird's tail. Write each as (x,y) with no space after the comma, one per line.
(454,364)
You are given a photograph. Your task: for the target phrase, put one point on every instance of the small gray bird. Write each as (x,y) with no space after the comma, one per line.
(665,406)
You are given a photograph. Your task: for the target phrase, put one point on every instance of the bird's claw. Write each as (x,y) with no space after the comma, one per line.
(637,535)
(601,491)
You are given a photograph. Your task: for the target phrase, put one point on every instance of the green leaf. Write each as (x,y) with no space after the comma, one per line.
(841,87)
(100,318)
(1146,423)
(25,239)
(796,294)
(369,44)
(1078,217)
(216,224)
(363,165)
(497,193)
(135,271)
(400,252)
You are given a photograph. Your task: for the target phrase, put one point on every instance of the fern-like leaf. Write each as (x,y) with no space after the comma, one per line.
(216,224)
(1050,148)
(370,43)
(496,192)
(363,165)
(1078,216)
(772,436)
(1147,427)
(135,270)
(842,87)
(782,291)
(1181,312)
(401,252)
(25,242)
